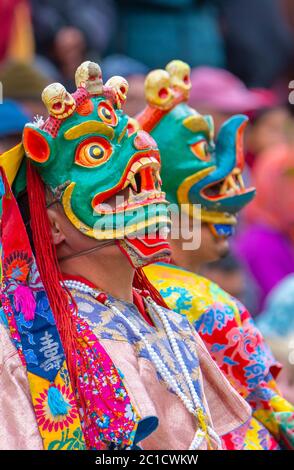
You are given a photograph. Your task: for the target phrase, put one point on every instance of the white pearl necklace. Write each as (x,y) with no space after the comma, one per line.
(194,406)
(170,334)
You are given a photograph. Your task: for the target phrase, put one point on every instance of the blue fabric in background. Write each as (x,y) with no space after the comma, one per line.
(277,318)
(12,118)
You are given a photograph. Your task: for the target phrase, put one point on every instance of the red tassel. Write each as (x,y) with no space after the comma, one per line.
(60,299)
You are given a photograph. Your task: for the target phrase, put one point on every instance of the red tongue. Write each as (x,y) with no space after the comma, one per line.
(147,180)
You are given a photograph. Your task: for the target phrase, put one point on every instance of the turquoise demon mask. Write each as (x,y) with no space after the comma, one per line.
(195,168)
(84,154)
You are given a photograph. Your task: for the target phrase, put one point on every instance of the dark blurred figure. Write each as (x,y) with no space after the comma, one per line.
(289,12)
(258,40)
(135,72)
(69,31)
(157,31)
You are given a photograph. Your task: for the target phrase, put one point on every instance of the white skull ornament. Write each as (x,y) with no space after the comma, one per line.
(58,101)
(120,86)
(89,76)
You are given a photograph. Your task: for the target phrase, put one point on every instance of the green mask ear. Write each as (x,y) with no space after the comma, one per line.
(36,144)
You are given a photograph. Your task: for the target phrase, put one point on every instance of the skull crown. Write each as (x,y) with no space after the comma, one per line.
(164,88)
(88,77)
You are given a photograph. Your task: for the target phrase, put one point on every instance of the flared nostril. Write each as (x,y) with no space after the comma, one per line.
(143,140)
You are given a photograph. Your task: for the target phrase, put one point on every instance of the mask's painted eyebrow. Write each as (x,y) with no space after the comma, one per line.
(196,123)
(89,127)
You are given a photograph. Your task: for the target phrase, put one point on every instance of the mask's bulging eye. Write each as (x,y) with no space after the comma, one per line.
(107,113)
(93,152)
(200,150)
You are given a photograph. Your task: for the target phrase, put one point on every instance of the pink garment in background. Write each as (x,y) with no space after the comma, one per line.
(266,245)
(7,8)
(220,90)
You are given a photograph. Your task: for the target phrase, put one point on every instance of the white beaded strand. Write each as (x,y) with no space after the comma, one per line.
(165,373)
(78,285)
(192,406)
(164,319)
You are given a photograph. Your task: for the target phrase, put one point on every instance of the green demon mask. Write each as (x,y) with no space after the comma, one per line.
(195,168)
(86,157)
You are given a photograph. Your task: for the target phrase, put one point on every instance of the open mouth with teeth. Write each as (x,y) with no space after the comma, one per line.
(135,207)
(232,185)
(139,187)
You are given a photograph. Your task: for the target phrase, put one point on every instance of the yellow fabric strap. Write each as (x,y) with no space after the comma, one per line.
(11,160)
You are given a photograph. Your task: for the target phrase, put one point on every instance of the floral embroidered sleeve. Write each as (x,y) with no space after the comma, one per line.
(239,349)
(269,407)
(241,352)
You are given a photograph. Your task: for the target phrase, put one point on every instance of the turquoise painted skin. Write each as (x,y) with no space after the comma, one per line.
(96,177)
(188,151)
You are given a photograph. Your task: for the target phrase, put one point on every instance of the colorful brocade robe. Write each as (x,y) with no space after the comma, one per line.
(238,348)
(26,314)
(165,421)
(125,397)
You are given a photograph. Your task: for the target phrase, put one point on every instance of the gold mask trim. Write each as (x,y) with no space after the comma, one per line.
(89,127)
(206,216)
(105,234)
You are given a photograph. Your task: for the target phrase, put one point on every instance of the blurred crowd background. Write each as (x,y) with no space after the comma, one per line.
(242,58)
